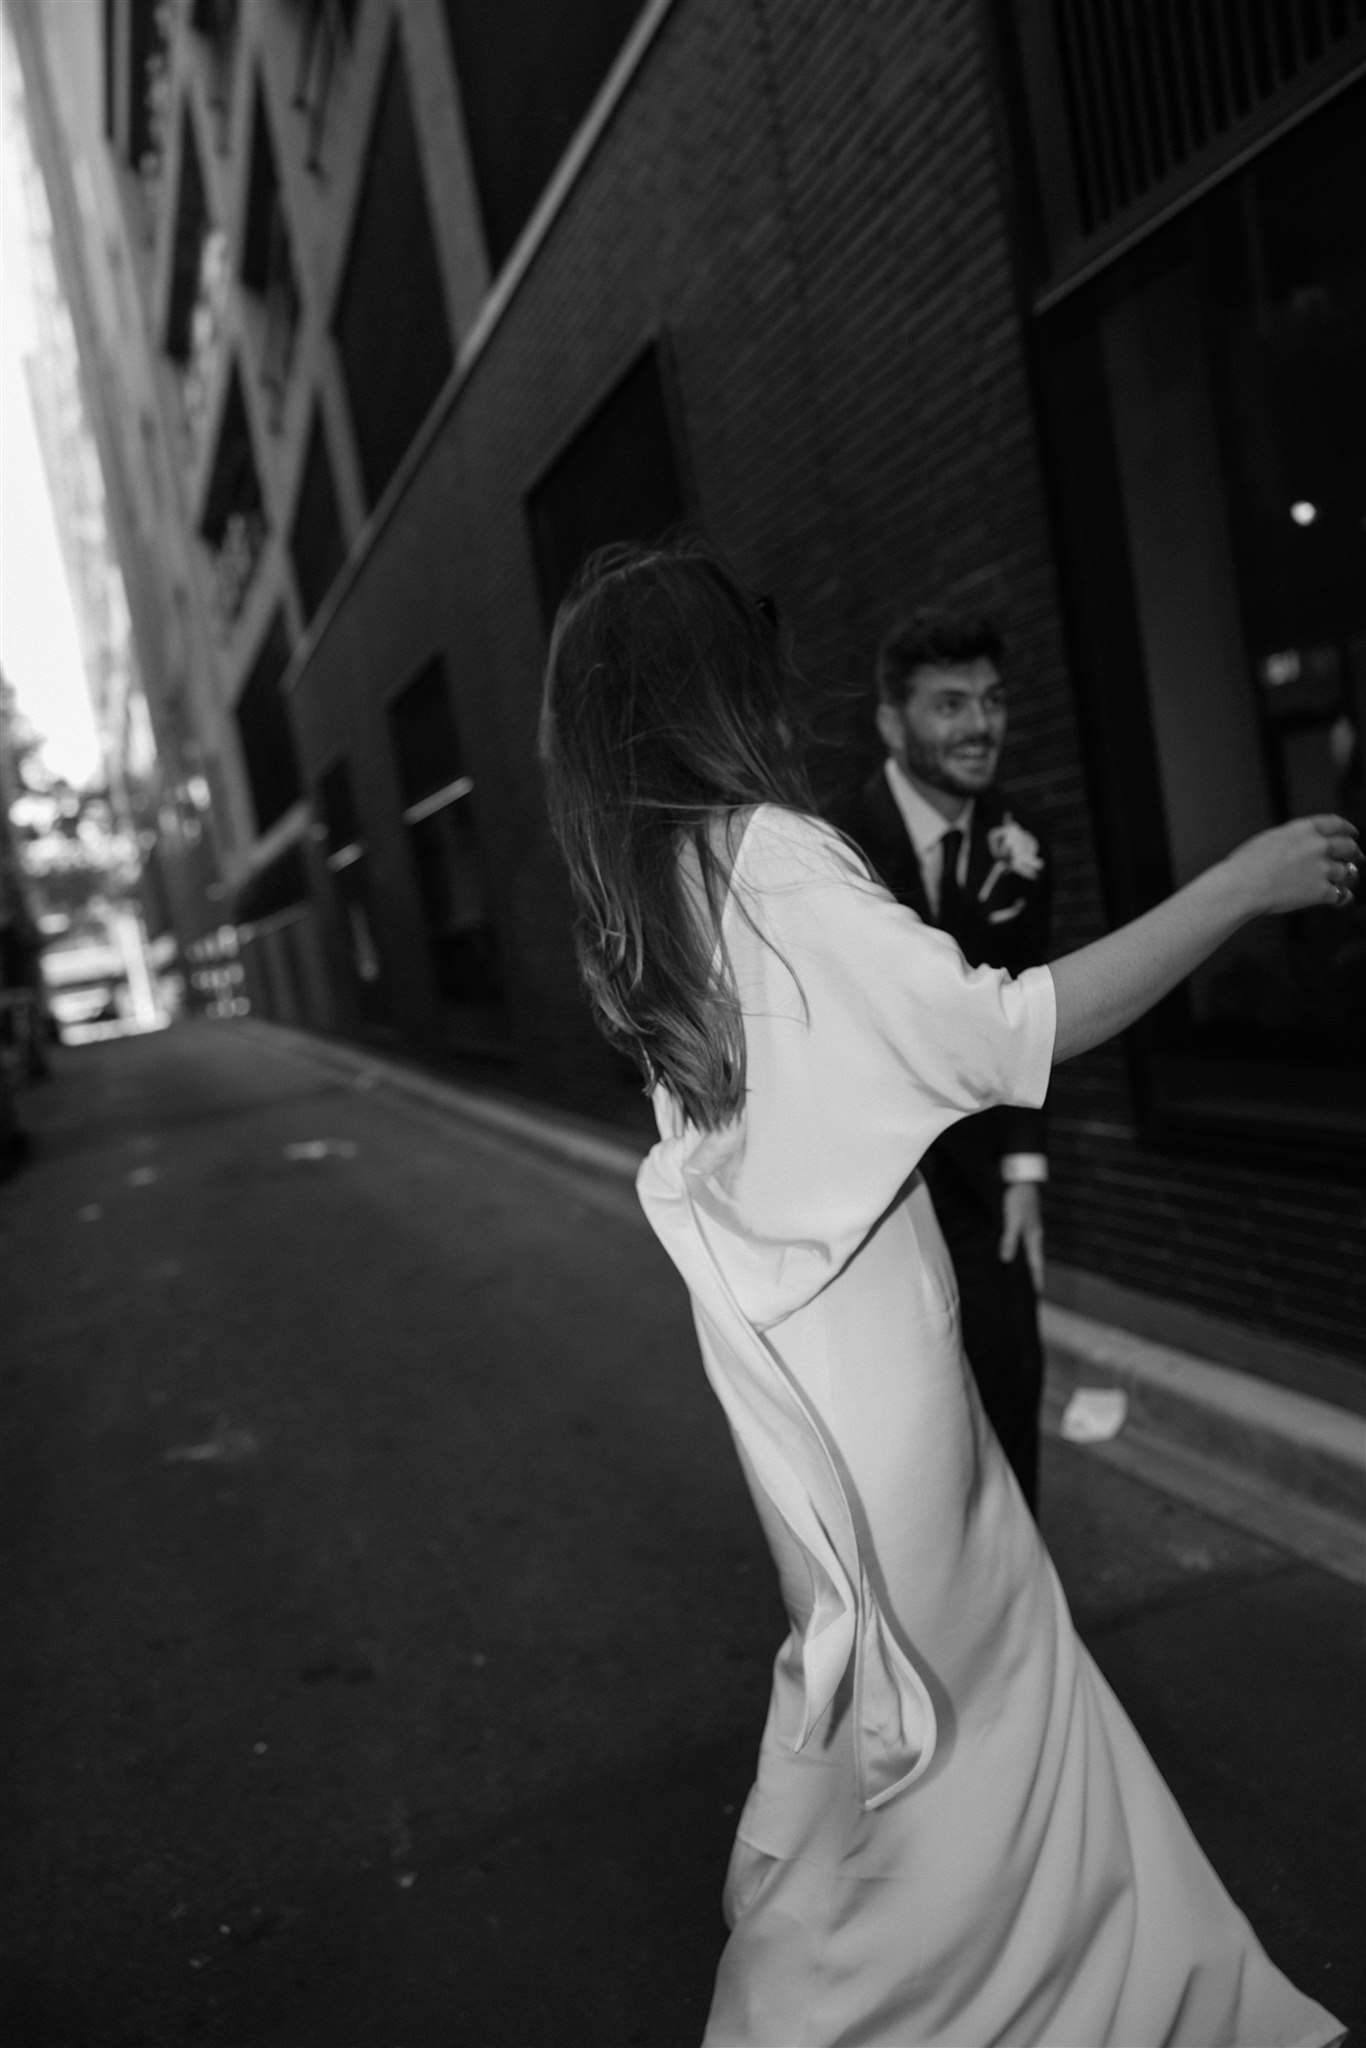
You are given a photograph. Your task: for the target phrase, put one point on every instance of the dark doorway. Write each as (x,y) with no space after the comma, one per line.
(347,862)
(439,812)
(263,726)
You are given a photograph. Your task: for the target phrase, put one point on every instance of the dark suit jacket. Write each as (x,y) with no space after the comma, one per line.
(1007,926)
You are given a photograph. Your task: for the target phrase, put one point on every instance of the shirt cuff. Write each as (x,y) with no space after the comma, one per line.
(1024,1166)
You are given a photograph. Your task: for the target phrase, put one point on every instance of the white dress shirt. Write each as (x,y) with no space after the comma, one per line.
(926,827)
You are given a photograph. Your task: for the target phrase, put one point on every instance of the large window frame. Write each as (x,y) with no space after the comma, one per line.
(1122,128)
(1286,1100)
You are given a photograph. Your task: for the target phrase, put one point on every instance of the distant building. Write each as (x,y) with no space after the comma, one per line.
(21,1019)
(398,306)
(104,496)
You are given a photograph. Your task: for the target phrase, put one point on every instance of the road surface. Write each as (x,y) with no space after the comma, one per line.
(387,1628)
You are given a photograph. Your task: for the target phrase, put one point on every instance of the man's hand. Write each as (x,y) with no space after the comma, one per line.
(1022,1222)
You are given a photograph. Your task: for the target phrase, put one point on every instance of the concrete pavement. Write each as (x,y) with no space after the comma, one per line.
(387,1626)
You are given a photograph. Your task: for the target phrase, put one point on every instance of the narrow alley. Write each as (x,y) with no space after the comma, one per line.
(387,1628)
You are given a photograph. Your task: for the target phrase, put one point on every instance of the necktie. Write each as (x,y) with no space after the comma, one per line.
(950,895)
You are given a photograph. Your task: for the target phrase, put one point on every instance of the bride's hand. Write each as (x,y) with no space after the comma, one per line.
(1310,861)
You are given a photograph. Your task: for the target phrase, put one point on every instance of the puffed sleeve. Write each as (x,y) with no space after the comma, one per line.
(866,1035)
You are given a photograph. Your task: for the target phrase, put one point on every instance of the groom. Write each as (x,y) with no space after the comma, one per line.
(946,841)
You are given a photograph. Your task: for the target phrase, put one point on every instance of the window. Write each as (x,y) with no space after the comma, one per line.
(279,886)
(327,28)
(392,331)
(136,35)
(317,544)
(149,35)
(268,257)
(527,72)
(437,794)
(192,230)
(111,97)
(1131,107)
(264,729)
(616,480)
(198,297)
(1208,420)
(234,523)
(340,817)
(216,22)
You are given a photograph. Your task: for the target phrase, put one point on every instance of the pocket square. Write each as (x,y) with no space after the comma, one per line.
(1004,916)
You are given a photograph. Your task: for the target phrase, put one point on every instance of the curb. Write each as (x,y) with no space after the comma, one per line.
(1280,1464)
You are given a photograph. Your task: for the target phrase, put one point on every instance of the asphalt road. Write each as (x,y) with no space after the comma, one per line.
(386,1629)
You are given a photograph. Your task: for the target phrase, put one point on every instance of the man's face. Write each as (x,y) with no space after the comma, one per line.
(949,730)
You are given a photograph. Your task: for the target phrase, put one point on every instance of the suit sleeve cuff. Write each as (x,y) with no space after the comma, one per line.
(1024,1166)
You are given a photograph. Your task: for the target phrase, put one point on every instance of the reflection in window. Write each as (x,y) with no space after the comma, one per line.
(198,296)
(268,258)
(327,29)
(1227,367)
(217,21)
(437,794)
(234,523)
(151,25)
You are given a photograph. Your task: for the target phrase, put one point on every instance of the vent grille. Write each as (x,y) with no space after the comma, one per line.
(1150,84)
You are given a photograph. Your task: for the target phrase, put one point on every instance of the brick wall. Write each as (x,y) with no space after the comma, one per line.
(808,201)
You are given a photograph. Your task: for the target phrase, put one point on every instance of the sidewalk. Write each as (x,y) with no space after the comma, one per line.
(1275,1463)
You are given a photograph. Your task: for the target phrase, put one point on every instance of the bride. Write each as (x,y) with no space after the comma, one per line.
(955,1836)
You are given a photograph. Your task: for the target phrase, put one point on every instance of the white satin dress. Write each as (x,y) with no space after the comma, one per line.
(955,1836)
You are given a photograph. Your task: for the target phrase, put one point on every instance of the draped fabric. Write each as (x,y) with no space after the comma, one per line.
(955,1836)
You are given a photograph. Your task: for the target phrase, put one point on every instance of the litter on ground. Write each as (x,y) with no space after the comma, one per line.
(1094,1415)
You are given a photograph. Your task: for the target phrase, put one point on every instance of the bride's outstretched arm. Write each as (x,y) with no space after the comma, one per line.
(1105,987)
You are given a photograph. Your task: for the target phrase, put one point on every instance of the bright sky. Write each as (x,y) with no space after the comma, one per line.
(40,648)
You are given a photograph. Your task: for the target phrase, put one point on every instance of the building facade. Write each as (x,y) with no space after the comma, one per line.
(1055,306)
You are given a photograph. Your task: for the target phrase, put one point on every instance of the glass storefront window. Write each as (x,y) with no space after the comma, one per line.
(1206,403)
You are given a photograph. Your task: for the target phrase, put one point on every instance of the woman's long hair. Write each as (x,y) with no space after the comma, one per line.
(670,710)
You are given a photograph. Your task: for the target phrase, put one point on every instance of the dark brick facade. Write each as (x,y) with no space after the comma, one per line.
(809,203)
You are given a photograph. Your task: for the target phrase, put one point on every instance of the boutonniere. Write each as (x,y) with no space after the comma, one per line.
(1013,851)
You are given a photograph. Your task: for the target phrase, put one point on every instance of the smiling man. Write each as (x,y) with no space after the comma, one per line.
(948,843)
